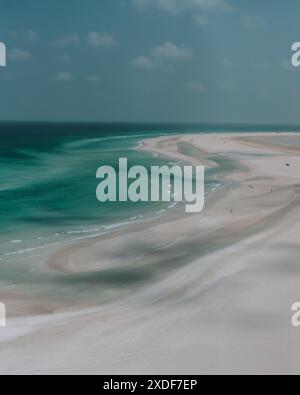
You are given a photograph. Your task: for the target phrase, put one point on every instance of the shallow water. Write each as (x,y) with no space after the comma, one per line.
(48,200)
(48,195)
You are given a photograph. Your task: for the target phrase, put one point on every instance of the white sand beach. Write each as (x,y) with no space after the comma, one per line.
(219,285)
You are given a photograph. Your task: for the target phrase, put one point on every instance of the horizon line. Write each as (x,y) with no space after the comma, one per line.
(155,122)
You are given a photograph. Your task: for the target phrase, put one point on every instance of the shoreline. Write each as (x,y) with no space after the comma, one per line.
(210,269)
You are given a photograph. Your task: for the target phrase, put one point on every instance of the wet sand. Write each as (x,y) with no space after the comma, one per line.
(203,293)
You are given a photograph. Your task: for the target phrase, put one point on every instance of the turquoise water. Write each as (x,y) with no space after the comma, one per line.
(48,192)
(48,187)
(48,183)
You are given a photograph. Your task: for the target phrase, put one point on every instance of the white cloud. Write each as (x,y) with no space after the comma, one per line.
(163,57)
(71,39)
(195,86)
(176,6)
(170,51)
(17,54)
(63,76)
(97,40)
(93,78)
(201,20)
(27,35)
(31,36)
(254,23)
(143,62)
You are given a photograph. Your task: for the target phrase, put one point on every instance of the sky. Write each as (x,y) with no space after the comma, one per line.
(219,61)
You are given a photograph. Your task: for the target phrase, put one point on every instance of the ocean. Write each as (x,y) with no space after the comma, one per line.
(48,184)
